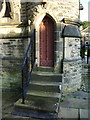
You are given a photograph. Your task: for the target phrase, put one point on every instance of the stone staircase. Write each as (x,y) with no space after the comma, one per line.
(43,97)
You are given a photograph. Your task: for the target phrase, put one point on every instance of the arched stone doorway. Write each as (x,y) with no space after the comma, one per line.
(46,42)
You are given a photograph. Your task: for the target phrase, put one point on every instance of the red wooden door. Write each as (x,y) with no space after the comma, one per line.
(47,42)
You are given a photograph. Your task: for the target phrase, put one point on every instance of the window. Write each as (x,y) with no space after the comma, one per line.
(8,9)
(0,5)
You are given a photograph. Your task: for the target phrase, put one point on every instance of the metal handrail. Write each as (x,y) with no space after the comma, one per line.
(26,55)
(26,69)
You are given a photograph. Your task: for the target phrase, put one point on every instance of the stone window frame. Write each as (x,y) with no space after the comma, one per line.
(8,10)
(0,5)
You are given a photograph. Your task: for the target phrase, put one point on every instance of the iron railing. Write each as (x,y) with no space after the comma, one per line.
(27,65)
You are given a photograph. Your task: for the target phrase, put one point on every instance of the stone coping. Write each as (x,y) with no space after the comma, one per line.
(72,60)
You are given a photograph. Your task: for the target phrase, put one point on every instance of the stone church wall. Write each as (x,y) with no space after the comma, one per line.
(12,52)
(57,10)
(13,49)
(71,52)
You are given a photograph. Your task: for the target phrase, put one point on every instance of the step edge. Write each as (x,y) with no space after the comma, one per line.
(46,74)
(25,106)
(51,84)
(58,95)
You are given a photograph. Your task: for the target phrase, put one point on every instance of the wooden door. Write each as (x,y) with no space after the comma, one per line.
(47,42)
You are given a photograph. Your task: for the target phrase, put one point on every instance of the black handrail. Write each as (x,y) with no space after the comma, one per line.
(28,61)
(26,55)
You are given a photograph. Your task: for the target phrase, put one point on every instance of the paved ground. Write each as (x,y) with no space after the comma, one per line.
(73,106)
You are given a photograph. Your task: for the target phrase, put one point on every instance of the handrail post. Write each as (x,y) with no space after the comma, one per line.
(28,66)
(23,97)
(27,70)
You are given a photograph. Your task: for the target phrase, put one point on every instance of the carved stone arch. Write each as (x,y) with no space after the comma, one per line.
(40,17)
(51,17)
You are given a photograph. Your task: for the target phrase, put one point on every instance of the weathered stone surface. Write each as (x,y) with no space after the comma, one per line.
(71,31)
(57,9)
(30,14)
(72,75)
(11,52)
(10,32)
(72,67)
(72,46)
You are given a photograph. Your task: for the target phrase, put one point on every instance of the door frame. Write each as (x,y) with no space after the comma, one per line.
(37,27)
(48,59)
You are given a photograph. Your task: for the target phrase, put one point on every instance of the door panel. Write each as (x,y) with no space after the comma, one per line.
(47,42)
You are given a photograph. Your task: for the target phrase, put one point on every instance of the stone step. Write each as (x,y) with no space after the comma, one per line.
(34,114)
(46,76)
(45,83)
(37,106)
(45,87)
(44,69)
(43,96)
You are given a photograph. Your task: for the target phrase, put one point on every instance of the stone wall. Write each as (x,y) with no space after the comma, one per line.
(58,48)
(72,48)
(72,64)
(72,75)
(23,12)
(11,54)
(57,9)
(67,51)
(12,46)
(13,49)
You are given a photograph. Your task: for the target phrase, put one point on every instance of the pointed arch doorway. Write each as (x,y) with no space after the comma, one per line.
(46,43)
